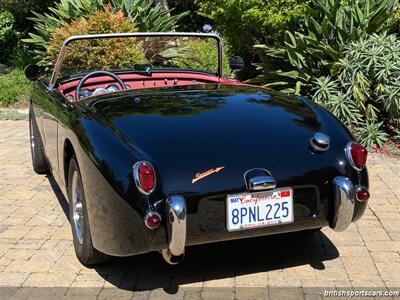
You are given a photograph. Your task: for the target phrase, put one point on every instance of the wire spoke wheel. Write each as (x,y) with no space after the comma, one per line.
(77,206)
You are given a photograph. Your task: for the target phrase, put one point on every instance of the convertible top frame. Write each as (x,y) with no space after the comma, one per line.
(61,55)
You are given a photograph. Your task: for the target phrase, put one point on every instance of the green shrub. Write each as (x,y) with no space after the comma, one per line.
(14,88)
(244,22)
(18,54)
(396,22)
(201,54)
(22,10)
(8,35)
(366,93)
(147,15)
(247,22)
(103,54)
(21,56)
(193,21)
(312,52)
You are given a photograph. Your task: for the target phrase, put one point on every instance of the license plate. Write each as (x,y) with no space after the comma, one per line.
(260,209)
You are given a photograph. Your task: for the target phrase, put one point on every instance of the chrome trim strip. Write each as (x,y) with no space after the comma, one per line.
(61,54)
(136,177)
(176,217)
(344,196)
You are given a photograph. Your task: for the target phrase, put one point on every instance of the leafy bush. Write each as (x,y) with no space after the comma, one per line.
(14,88)
(366,93)
(396,21)
(244,22)
(18,54)
(22,10)
(21,56)
(247,22)
(193,20)
(329,26)
(145,14)
(201,54)
(103,54)
(8,35)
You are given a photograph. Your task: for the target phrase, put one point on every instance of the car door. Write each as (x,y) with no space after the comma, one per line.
(52,113)
(39,97)
(47,104)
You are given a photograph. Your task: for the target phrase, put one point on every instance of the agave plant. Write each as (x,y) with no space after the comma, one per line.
(147,15)
(366,93)
(329,94)
(314,51)
(371,134)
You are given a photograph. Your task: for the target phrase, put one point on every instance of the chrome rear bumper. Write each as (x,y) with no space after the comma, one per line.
(176,228)
(344,205)
(344,202)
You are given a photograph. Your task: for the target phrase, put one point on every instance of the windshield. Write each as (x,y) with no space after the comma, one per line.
(116,52)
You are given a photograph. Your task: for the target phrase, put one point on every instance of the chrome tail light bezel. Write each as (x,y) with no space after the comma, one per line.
(350,157)
(137,178)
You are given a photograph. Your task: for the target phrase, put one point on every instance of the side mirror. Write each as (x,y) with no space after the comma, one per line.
(146,68)
(236,63)
(33,72)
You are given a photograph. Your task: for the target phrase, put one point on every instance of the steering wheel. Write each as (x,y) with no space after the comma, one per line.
(96,73)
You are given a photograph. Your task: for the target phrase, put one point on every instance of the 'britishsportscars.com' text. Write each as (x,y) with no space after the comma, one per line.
(361,293)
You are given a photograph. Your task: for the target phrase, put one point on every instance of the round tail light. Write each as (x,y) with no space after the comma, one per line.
(362,194)
(152,220)
(145,177)
(357,155)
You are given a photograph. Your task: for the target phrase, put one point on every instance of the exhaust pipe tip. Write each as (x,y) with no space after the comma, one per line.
(171,259)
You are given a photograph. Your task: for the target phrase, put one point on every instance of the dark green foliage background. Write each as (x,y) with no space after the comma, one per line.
(22,10)
(8,35)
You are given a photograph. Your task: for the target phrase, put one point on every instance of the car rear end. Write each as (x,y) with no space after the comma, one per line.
(335,196)
(238,162)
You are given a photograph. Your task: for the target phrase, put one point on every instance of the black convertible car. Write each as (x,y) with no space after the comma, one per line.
(164,153)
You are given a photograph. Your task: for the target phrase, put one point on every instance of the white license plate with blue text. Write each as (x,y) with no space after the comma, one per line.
(260,209)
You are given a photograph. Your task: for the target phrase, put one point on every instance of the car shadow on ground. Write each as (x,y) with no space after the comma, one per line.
(59,195)
(220,260)
(215,261)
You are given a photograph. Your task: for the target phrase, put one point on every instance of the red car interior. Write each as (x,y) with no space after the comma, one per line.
(137,81)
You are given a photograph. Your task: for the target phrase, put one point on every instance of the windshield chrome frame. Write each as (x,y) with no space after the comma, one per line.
(61,55)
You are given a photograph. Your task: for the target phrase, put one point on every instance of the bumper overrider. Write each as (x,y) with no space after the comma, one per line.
(350,202)
(176,228)
(344,202)
(346,207)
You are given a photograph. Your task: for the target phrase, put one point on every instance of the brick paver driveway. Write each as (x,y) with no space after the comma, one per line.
(36,251)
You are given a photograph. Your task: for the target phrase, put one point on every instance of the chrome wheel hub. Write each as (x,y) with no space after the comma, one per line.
(32,137)
(77,207)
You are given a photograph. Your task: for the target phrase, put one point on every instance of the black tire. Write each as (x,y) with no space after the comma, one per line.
(37,151)
(82,239)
